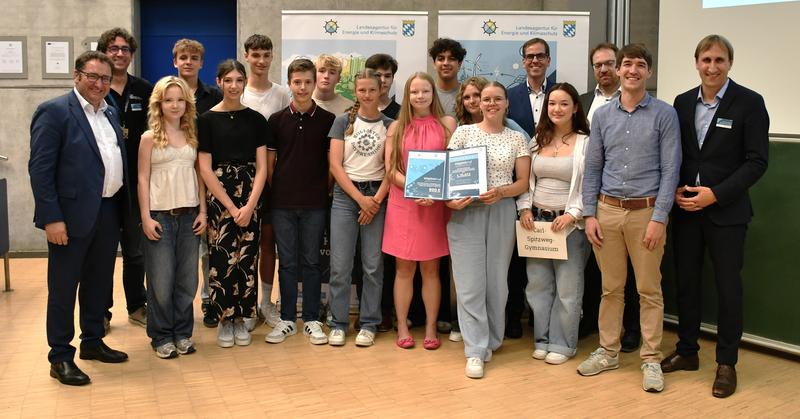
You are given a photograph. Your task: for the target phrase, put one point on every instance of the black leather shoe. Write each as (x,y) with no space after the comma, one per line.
(725,382)
(676,362)
(630,341)
(68,373)
(210,318)
(103,353)
(513,329)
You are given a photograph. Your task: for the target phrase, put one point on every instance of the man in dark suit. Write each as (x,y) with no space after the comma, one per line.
(725,140)
(526,101)
(77,170)
(525,104)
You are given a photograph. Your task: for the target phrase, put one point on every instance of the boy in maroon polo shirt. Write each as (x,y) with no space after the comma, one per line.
(299,180)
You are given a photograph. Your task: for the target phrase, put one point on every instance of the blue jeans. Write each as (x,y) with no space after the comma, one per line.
(345,232)
(299,230)
(171,267)
(555,294)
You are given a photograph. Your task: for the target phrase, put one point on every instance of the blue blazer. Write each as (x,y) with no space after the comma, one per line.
(519,105)
(65,166)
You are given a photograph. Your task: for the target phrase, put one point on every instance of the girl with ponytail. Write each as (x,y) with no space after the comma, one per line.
(356,161)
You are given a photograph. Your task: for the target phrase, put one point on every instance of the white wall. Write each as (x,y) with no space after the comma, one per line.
(765,41)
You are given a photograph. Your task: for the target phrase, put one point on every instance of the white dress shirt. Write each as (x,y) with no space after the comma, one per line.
(600,99)
(537,100)
(106,139)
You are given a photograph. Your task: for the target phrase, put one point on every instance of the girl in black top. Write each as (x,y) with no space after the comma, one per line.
(232,156)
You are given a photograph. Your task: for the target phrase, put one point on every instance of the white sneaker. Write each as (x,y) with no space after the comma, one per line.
(455,336)
(598,362)
(474,368)
(313,330)
(241,336)
(652,377)
(365,338)
(281,331)
(336,337)
(167,351)
(539,354)
(272,316)
(555,358)
(225,334)
(250,323)
(185,346)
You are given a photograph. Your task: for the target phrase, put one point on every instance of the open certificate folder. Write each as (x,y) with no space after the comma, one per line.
(443,175)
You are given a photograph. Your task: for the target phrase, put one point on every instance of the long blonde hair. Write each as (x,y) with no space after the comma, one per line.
(404,120)
(156,118)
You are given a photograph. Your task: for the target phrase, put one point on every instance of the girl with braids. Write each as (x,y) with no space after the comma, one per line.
(233,163)
(555,287)
(173,210)
(415,228)
(358,209)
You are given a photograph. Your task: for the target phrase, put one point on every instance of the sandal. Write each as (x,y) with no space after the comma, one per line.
(431,344)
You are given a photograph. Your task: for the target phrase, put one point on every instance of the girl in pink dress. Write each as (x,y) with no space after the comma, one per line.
(415,229)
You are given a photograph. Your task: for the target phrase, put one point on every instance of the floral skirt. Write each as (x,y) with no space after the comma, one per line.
(233,250)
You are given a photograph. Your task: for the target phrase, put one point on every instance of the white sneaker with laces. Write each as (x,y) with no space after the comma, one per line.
(336,337)
(185,346)
(225,334)
(555,358)
(365,338)
(281,331)
(598,362)
(166,351)
(455,336)
(539,354)
(313,330)
(652,377)
(272,316)
(474,368)
(250,323)
(241,336)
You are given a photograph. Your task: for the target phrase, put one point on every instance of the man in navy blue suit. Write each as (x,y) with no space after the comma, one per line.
(526,101)
(77,170)
(725,141)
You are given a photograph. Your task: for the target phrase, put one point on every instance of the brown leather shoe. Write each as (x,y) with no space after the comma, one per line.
(676,362)
(725,383)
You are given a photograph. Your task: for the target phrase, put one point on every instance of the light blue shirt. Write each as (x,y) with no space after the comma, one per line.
(633,154)
(704,112)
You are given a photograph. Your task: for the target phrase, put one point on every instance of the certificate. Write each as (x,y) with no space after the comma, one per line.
(541,242)
(443,175)
(56,55)
(11,58)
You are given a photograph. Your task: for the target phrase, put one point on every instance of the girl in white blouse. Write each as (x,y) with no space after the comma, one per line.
(173,216)
(555,287)
(481,232)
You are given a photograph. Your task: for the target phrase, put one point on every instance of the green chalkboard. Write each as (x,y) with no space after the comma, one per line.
(772,255)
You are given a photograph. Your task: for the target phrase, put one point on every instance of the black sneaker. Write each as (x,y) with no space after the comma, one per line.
(210,318)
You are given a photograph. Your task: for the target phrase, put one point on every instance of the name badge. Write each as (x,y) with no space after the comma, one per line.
(136,107)
(724,123)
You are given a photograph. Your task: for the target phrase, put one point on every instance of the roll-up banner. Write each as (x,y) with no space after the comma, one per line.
(353,36)
(493,41)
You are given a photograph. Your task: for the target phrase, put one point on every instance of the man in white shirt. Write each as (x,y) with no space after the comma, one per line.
(77,169)
(266,97)
(603,57)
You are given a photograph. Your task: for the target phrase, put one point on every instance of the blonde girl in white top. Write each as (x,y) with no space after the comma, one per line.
(173,209)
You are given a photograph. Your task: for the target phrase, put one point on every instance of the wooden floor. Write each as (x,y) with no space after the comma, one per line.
(297,379)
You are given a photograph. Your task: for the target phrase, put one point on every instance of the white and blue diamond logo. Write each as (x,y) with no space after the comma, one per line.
(570,27)
(409,28)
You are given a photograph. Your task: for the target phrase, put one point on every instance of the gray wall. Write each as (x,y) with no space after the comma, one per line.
(83,19)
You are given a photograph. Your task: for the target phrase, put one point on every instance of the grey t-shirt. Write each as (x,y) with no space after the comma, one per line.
(448,100)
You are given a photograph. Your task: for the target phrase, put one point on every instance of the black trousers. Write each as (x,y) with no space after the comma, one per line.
(84,267)
(693,233)
(132,262)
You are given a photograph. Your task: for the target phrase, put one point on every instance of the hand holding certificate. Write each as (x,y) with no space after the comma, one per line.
(445,175)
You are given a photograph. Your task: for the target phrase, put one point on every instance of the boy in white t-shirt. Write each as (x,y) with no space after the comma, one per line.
(266,97)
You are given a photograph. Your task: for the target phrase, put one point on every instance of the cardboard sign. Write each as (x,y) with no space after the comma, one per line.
(541,242)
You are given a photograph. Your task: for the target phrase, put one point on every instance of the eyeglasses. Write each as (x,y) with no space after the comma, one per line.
(117,49)
(491,100)
(609,64)
(538,57)
(94,77)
